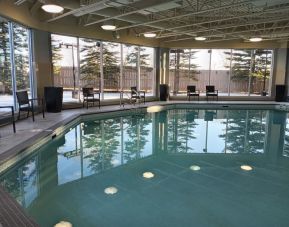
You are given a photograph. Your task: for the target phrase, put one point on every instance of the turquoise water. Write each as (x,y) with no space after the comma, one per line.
(195,157)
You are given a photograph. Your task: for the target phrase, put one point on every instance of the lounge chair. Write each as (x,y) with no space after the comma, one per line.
(5,117)
(88,96)
(26,104)
(191,91)
(137,95)
(210,91)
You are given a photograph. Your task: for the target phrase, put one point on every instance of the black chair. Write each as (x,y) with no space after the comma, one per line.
(11,117)
(137,95)
(88,96)
(191,91)
(26,104)
(210,91)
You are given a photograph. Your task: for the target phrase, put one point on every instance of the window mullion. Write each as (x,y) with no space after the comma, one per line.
(101,72)
(12,57)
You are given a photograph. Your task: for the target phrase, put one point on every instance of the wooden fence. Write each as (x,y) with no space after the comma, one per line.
(111,82)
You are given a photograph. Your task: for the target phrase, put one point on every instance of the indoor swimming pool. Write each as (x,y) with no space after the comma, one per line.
(175,167)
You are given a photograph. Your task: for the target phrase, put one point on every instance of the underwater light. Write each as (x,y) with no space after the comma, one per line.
(195,168)
(154,109)
(148,175)
(246,168)
(63,224)
(110,190)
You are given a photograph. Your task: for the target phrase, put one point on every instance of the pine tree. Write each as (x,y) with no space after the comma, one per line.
(56,54)
(250,65)
(111,68)
(90,62)
(5,67)
(182,61)
(21,56)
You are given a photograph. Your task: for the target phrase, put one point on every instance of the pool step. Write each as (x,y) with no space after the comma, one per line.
(11,213)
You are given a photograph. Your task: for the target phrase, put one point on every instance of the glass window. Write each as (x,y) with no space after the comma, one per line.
(240,72)
(147,72)
(6,90)
(130,67)
(262,72)
(21,57)
(220,70)
(90,63)
(111,54)
(65,66)
(183,70)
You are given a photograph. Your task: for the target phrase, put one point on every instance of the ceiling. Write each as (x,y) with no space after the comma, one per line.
(180,20)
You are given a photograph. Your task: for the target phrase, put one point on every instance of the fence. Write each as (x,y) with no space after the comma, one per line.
(111,83)
(219,78)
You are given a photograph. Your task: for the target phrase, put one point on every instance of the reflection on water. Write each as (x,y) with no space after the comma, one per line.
(94,147)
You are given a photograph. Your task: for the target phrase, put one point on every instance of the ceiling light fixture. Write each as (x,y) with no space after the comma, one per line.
(200,38)
(109,26)
(150,35)
(52,8)
(255,39)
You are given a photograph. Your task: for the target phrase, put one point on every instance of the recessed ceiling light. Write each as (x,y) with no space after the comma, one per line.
(110,190)
(148,175)
(246,167)
(200,38)
(52,8)
(150,35)
(108,27)
(195,168)
(63,224)
(255,39)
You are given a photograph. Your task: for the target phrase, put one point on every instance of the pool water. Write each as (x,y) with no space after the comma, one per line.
(178,167)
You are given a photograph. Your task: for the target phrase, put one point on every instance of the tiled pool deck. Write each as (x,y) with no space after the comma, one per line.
(29,132)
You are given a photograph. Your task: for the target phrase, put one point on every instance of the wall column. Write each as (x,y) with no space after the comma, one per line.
(42,60)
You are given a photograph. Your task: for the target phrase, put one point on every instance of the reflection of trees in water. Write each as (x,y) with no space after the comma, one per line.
(100,140)
(181,125)
(245,131)
(16,180)
(286,141)
(137,132)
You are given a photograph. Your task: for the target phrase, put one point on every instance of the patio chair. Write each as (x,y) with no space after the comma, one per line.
(89,96)
(137,95)
(26,104)
(191,91)
(5,117)
(210,91)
